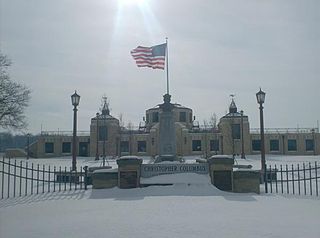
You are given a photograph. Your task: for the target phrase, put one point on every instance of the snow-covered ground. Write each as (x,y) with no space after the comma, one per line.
(193,208)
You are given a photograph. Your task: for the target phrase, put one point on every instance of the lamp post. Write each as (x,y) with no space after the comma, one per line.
(205,139)
(104,139)
(260,99)
(314,141)
(242,141)
(28,145)
(97,145)
(75,99)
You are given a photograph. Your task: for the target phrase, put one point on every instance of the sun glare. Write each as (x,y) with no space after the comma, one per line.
(131,2)
(142,11)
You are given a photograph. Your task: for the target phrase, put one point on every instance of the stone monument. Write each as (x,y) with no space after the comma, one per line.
(167,132)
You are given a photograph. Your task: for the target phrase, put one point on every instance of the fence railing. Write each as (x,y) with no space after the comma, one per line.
(285,130)
(64,133)
(295,179)
(23,178)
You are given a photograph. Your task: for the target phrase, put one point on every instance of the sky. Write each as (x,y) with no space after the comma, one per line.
(216,48)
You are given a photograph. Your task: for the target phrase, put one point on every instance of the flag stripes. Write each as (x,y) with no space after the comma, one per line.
(153,57)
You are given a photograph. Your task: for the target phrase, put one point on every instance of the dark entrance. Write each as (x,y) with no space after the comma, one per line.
(222,180)
(83,149)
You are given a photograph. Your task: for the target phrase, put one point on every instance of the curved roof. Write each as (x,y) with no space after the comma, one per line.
(176,105)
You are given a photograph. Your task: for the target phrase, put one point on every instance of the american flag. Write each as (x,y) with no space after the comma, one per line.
(153,57)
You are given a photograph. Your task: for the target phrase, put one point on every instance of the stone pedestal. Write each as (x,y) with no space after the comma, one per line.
(221,169)
(129,168)
(246,181)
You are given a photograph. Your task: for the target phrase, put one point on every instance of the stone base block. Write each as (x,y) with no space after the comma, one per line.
(105,178)
(91,170)
(246,181)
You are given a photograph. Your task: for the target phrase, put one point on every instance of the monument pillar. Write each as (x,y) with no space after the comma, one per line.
(167,132)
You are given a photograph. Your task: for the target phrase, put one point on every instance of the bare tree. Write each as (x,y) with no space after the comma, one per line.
(14,98)
(205,124)
(121,121)
(213,120)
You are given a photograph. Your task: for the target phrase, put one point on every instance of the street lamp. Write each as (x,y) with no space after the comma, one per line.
(313,139)
(260,99)
(97,146)
(28,145)
(104,140)
(242,141)
(75,99)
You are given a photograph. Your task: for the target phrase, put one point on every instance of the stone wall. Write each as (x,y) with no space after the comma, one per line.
(15,153)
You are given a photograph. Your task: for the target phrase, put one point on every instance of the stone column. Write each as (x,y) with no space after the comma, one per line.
(129,168)
(221,172)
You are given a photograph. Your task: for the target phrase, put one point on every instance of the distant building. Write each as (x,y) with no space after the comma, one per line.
(229,137)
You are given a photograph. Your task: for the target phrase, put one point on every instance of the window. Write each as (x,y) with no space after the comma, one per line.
(214,145)
(147,118)
(83,148)
(274,145)
(190,117)
(142,146)
(124,146)
(256,145)
(48,147)
(103,133)
(309,145)
(292,145)
(183,117)
(155,117)
(235,131)
(196,145)
(66,147)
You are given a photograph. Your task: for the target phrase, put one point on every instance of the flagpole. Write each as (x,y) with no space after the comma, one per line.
(167,65)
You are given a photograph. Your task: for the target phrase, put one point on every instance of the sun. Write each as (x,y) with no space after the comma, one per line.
(131,2)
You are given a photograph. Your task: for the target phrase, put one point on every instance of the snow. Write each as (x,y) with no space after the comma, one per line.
(191,207)
(169,211)
(220,157)
(105,171)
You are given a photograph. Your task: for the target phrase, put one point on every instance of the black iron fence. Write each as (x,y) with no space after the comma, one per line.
(300,179)
(20,178)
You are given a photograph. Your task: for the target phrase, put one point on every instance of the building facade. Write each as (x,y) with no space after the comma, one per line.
(232,136)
